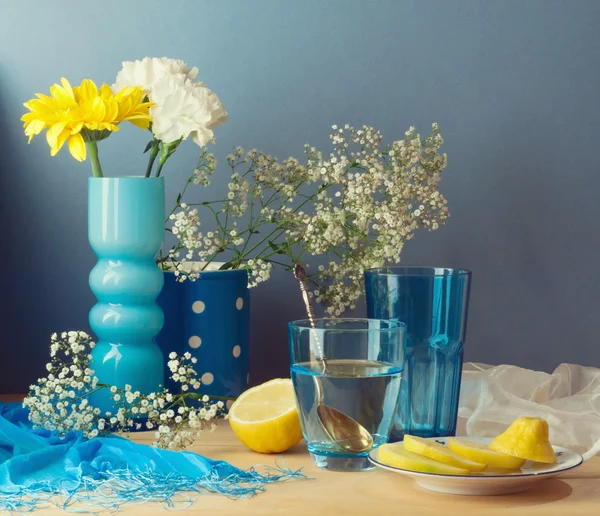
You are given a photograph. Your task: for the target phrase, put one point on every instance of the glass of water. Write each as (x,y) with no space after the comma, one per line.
(353,366)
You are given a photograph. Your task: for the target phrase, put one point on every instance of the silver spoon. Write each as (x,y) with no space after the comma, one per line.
(341,429)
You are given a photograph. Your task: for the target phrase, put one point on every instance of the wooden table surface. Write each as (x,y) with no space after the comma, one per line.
(377,492)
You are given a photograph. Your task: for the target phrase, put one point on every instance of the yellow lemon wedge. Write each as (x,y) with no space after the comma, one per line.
(265,419)
(398,456)
(481,453)
(439,452)
(527,438)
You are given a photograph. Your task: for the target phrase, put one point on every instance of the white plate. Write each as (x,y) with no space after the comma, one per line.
(488,483)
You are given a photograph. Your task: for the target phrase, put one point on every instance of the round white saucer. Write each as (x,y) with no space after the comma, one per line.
(488,482)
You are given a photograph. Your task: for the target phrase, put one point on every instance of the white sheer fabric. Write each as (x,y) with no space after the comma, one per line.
(569,399)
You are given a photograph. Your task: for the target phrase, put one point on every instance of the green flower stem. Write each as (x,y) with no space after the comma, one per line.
(212,259)
(278,228)
(153,153)
(166,151)
(179,198)
(286,265)
(92,149)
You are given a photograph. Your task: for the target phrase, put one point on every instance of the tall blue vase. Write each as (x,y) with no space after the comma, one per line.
(209,318)
(125,228)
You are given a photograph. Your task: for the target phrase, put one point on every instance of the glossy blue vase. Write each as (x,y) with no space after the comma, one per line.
(125,228)
(210,318)
(434,304)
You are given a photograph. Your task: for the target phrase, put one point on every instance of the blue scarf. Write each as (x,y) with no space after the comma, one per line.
(38,469)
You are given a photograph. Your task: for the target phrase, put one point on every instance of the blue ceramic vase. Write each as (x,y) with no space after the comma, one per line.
(125,228)
(209,318)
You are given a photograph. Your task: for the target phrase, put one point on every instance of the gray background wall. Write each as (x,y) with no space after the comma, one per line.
(513,84)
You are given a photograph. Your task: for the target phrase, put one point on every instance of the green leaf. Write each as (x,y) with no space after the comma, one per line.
(149,146)
(226,266)
(274,246)
(178,199)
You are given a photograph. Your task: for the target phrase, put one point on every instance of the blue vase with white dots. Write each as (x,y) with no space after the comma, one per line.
(126,229)
(210,318)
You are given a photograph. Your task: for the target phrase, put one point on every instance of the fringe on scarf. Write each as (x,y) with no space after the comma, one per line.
(112,489)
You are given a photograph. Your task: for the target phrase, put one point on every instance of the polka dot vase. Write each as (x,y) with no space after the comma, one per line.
(210,318)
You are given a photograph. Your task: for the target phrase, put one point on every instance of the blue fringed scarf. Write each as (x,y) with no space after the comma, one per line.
(37,469)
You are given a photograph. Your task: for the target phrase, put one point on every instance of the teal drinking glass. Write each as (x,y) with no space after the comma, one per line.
(360,378)
(434,303)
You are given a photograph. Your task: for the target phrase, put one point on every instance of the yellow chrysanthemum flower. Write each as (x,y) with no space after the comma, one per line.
(83,113)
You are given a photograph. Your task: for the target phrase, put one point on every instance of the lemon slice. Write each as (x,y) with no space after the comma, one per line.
(439,452)
(265,419)
(527,438)
(481,453)
(397,456)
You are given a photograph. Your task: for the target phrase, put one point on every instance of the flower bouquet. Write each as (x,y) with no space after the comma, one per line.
(117,382)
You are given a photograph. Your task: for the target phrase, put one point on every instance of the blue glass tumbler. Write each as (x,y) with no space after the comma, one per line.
(433,303)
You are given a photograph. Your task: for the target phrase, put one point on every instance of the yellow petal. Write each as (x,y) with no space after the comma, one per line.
(67,86)
(44,100)
(89,90)
(61,96)
(141,123)
(37,106)
(107,126)
(53,134)
(30,117)
(123,93)
(34,128)
(112,110)
(77,147)
(76,127)
(98,110)
(62,138)
(124,108)
(105,91)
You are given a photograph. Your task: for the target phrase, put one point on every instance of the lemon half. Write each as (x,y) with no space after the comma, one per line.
(527,438)
(265,419)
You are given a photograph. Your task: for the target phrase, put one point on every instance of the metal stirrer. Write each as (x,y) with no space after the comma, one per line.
(341,429)
(300,275)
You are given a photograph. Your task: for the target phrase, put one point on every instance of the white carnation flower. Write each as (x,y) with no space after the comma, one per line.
(148,71)
(182,107)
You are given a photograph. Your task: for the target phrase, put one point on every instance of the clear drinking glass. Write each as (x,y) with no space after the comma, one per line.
(360,378)
(433,302)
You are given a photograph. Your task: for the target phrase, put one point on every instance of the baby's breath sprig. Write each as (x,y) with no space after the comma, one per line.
(60,402)
(349,211)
